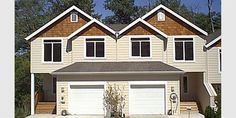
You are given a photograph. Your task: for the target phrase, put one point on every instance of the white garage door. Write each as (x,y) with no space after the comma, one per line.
(86,99)
(147,99)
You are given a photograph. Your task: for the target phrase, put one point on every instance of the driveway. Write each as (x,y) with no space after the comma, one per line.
(182,115)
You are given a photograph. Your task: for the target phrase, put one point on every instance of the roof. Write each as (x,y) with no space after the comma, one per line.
(117,27)
(213,38)
(57,18)
(176,15)
(117,67)
(145,23)
(88,24)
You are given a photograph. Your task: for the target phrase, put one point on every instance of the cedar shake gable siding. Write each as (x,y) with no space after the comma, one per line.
(64,27)
(139,29)
(95,30)
(172,25)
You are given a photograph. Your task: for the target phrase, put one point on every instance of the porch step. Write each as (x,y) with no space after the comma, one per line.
(185,105)
(46,108)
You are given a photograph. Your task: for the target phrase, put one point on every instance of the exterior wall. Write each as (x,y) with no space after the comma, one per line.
(64,27)
(78,49)
(171,25)
(214,75)
(199,64)
(139,29)
(62,81)
(62,104)
(36,61)
(124,50)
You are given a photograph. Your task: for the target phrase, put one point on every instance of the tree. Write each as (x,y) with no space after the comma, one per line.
(124,11)
(210,14)
(58,6)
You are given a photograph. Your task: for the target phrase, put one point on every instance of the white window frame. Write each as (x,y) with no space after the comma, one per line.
(130,47)
(160,13)
(76,18)
(194,52)
(52,38)
(219,51)
(93,37)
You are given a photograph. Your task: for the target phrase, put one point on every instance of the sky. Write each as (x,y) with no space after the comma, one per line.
(200,4)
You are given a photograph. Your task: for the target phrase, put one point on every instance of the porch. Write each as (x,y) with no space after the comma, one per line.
(45,95)
(195,93)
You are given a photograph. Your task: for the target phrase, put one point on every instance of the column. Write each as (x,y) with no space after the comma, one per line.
(32,94)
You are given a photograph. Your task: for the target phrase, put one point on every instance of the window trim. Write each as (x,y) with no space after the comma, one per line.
(194,49)
(77,17)
(130,47)
(219,71)
(96,58)
(52,38)
(187,85)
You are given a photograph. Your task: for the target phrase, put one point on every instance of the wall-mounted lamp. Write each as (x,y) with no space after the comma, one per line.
(62,89)
(172,89)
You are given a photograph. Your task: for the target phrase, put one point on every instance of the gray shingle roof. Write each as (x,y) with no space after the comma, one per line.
(213,36)
(151,66)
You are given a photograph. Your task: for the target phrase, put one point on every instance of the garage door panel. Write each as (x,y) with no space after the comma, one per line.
(86,100)
(147,99)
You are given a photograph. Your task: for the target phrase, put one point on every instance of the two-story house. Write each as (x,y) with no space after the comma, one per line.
(154,58)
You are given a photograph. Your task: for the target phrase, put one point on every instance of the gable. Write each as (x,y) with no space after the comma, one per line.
(139,29)
(172,25)
(63,27)
(94,30)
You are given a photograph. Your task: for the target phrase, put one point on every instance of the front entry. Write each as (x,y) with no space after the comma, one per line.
(147,99)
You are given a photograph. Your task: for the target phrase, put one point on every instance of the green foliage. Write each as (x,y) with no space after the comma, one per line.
(58,6)
(124,11)
(114,100)
(209,112)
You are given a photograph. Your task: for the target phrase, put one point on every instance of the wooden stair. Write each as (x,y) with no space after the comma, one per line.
(46,108)
(192,104)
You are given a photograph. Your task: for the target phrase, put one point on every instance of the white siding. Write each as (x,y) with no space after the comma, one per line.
(214,76)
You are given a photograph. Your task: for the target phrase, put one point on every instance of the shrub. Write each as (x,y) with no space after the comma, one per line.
(114,100)
(209,112)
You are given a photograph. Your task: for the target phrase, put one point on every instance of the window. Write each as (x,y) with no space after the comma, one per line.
(185,84)
(140,47)
(52,51)
(161,15)
(54,84)
(95,47)
(74,17)
(220,62)
(184,49)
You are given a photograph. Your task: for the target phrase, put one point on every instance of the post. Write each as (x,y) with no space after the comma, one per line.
(32,94)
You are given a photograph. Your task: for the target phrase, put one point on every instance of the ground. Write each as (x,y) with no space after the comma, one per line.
(192,115)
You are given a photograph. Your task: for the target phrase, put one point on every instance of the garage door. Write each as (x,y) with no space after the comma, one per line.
(86,99)
(147,99)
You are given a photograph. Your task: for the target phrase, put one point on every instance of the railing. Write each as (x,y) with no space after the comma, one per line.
(38,97)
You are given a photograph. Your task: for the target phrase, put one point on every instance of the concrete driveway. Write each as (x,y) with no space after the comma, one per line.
(183,115)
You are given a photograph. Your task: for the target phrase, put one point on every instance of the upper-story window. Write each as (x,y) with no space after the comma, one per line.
(74,17)
(184,49)
(52,50)
(140,47)
(220,62)
(95,47)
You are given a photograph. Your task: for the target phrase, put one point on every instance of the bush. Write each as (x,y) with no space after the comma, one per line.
(114,101)
(209,112)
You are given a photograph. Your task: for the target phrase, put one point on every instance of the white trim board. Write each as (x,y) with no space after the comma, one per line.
(88,24)
(57,18)
(145,23)
(213,42)
(176,15)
